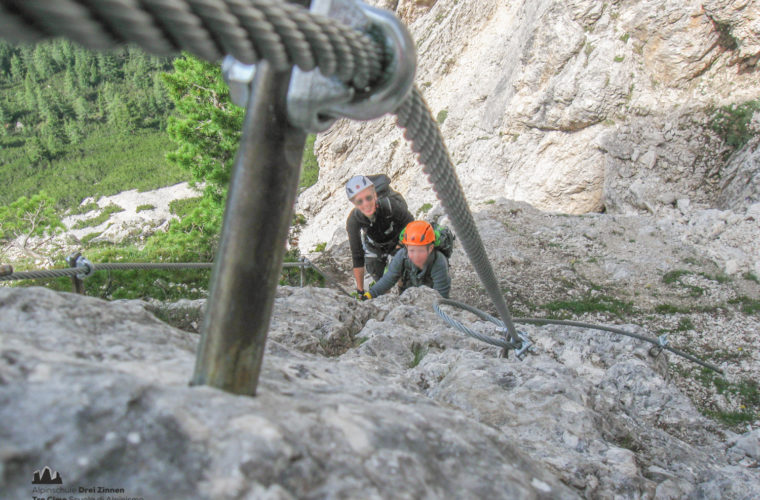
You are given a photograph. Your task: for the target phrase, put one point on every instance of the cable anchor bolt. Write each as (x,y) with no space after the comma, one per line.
(315,101)
(526,346)
(80,262)
(662,340)
(238,77)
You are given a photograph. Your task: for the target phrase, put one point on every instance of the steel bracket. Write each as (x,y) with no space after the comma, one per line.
(316,101)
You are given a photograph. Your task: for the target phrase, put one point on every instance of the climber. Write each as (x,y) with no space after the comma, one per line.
(374,225)
(419,263)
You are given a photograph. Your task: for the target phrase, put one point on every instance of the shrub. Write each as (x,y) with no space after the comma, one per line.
(731,123)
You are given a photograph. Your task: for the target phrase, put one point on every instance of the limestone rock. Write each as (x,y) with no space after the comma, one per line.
(98,391)
(565,105)
(741,178)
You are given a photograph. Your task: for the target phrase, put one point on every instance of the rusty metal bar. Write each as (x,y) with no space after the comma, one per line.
(247,267)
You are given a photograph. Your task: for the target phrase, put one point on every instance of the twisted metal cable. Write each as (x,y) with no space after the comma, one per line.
(619,331)
(422,131)
(467,331)
(251,30)
(43,274)
(125,266)
(544,321)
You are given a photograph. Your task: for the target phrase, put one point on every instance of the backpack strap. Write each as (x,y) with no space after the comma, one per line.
(385,202)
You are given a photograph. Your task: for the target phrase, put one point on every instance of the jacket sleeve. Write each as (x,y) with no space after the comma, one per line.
(355,240)
(440,275)
(391,276)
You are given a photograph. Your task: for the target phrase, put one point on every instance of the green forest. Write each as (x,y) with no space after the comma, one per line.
(75,123)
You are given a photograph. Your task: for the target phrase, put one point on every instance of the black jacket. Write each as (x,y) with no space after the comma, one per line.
(391,217)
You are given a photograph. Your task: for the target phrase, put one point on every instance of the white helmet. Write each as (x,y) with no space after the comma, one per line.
(357,183)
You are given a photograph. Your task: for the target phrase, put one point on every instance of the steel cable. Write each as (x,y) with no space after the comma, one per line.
(544,321)
(250,30)
(122,266)
(426,140)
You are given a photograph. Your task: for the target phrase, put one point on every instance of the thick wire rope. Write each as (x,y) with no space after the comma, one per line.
(544,321)
(250,30)
(425,137)
(124,266)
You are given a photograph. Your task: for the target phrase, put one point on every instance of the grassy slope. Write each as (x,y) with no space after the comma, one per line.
(105,163)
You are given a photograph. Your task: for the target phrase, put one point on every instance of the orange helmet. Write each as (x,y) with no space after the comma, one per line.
(418,233)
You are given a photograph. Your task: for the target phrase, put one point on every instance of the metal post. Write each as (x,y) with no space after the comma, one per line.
(301,269)
(76,283)
(247,268)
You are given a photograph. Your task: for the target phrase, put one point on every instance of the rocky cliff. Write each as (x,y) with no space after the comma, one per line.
(356,400)
(573,106)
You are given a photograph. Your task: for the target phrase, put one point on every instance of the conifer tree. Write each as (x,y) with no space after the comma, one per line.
(17,68)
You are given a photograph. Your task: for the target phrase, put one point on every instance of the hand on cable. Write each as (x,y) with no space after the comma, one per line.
(366,296)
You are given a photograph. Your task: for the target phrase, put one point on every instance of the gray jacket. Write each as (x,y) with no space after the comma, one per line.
(434,274)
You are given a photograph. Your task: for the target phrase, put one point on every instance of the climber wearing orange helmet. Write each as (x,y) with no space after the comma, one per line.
(419,263)
(374,224)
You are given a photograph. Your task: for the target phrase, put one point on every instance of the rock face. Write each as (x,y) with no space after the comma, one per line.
(741,178)
(571,106)
(356,400)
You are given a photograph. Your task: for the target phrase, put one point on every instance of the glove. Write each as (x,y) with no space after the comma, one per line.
(366,296)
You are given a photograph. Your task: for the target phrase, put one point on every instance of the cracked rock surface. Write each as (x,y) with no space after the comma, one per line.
(372,400)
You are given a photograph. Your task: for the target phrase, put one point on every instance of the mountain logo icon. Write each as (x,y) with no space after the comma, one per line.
(47,477)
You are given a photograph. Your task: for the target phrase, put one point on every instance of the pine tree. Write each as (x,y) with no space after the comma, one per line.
(81,109)
(207,130)
(73,131)
(43,62)
(18,72)
(30,94)
(6,52)
(69,82)
(36,152)
(3,121)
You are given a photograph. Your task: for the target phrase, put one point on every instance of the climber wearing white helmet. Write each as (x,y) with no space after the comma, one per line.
(374,225)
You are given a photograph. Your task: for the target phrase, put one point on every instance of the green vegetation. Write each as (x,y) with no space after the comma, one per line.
(674,276)
(748,305)
(418,351)
(424,209)
(597,303)
(76,123)
(670,309)
(27,217)
(98,219)
(184,206)
(87,238)
(745,392)
(751,277)
(619,58)
(441,117)
(141,208)
(83,209)
(624,38)
(684,324)
(309,165)
(731,123)
(320,247)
